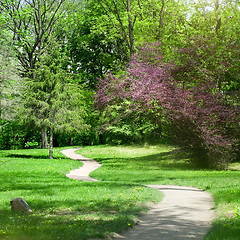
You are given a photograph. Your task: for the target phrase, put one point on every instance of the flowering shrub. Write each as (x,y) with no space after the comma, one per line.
(197,116)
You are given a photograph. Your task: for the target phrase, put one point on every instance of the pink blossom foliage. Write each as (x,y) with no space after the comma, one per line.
(198,118)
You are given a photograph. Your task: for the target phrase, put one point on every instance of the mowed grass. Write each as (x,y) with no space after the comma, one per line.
(69,209)
(163,164)
(64,208)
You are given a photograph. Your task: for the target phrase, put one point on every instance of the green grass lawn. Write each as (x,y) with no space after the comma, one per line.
(64,208)
(69,209)
(164,165)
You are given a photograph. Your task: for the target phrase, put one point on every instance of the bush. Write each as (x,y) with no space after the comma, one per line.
(31,144)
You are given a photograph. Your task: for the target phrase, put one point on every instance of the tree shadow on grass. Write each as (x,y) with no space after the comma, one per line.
(172,160)
(52,227)
(31,153)
(79,216)
(43,156)
(38,156)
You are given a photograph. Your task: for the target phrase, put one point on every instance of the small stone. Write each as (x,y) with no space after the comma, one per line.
(20,205)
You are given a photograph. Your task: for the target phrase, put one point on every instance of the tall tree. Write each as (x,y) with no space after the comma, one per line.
(120,12)
(52,99)
(137,21)
(212,47)
(32,23)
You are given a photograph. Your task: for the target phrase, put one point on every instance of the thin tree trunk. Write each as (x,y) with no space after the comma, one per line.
(71,141)
(44,137)
(127,33)
(51,144)
(161,19)
(131,23)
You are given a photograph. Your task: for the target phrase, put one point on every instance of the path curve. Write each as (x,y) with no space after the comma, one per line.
(83,172)
(184,213)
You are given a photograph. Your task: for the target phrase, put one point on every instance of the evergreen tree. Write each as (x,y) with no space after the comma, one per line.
(52,98)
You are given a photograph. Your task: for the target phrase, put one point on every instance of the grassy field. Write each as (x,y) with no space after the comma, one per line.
(68,209)
(64,208)
(165,165)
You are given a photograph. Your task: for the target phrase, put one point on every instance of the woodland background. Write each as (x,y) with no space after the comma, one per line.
(121,72)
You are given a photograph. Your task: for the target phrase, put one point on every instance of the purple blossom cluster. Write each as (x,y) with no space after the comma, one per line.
(197,117)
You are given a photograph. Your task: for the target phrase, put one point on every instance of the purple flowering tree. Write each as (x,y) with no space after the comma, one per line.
(197,118)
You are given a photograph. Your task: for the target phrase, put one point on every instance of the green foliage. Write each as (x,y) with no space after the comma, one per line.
(31,25)
(9,81)
(14,135)
(51,98)
(87,137)
(141,21)
(92,48)
(125,125)
(31,144)
(11,136)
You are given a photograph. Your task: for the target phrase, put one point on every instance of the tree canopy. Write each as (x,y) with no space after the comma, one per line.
(164,69)
(196,116)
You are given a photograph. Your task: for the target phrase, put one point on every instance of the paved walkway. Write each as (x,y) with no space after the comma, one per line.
(184,213)
(82,173)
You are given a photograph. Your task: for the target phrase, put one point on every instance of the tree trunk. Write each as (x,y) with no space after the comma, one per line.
(131,23)
(71,141)
(161,19)
(127,33)
(44,137)
(51,144)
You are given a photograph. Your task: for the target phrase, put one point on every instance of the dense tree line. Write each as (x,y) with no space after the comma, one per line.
(56,55)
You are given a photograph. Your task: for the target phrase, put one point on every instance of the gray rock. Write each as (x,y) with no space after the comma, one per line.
(20,205)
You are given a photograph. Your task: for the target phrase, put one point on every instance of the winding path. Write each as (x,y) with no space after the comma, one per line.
(81,173)
(184,213)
